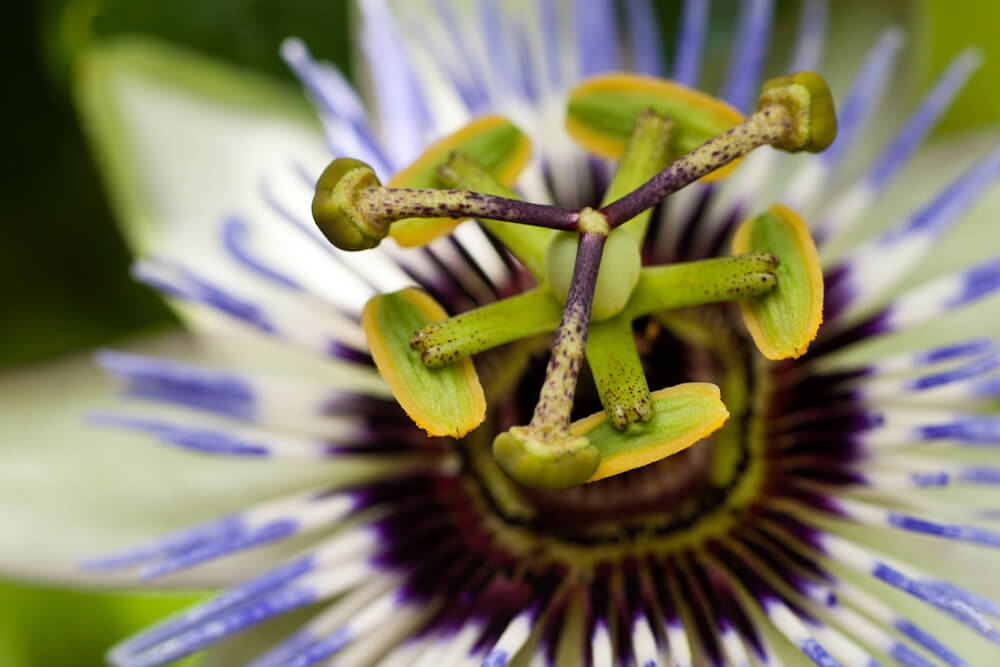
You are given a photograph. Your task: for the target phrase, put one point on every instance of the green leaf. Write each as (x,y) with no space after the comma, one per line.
(446,401)
(246,33)
(602,113)
(785,320)
(682,416)
(89,623)
(950,31)
(493,142)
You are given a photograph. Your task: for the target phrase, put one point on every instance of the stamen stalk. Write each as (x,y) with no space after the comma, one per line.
(646,154)
(529,314)
(687,284)
(618,373)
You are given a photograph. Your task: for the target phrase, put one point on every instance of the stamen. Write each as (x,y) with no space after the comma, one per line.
(722,279)
(537,312)
(618,373)
(522,316)
(355,212)
(611,351)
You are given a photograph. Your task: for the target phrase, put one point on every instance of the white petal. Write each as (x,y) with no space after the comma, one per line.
(69,491)
(182,140)
(972,239)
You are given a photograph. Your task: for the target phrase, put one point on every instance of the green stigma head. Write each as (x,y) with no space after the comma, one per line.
(807,98)
(335,210)
(540,464)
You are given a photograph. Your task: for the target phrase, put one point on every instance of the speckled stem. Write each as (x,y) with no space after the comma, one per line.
(555,402)
(390,204)
(766,126)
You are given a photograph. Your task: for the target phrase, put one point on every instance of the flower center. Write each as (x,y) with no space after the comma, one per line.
(703,486)
(425,356)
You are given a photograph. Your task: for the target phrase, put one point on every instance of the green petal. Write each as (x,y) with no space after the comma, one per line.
(495,143)
(182,140)
(785,320)
(682,416)
(447,401)
(602,112)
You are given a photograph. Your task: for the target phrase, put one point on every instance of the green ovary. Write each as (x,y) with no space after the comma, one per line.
(620,265)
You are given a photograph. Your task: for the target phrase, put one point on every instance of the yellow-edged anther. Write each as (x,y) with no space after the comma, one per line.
(602,111)
(807,98)
(785,320)
(493,142)
(335,210)
(682,415)
(447,401)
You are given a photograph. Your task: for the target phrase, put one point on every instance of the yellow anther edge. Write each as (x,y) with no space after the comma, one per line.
(807,249)
(631,460)
(380,354)
(410,236)
(625,82)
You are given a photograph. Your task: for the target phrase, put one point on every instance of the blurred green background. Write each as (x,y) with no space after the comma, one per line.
(64,282)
